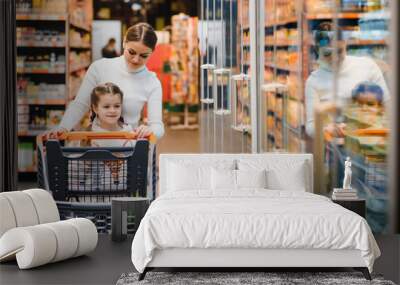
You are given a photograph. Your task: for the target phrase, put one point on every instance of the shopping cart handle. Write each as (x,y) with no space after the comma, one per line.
(384,132)
(371,132)
(85,135)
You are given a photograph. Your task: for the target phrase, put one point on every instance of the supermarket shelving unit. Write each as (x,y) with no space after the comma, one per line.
(289,61)
(282,92)
(44,69)
(185,72)
(79,44)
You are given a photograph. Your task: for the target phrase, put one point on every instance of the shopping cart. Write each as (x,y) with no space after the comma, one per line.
(83,180)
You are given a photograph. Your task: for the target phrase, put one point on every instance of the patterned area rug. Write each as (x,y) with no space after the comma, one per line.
(242,278)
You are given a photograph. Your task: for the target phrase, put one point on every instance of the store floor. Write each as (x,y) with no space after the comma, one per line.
(179,141)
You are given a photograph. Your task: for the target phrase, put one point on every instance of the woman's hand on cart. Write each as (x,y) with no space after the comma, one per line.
(54,133)
(335,130)
(143,131)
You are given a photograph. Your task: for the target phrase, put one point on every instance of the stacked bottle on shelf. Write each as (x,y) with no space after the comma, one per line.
(41,63)
(41,6)
(32,36)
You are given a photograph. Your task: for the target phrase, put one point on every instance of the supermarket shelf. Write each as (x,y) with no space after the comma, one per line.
(80,27)
(29,71)
(40,45)
(42,17)
(81,66)
(42,101)
(290,20)
(80,47)
(293,130)
(271,65)
(365,42)
(282,44)
(30,133)
(346,15)
(355,42)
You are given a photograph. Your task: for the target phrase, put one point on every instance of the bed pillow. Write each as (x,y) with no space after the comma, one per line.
(251,178)
(281,174)
(291,180)
(223,179)
(183,177)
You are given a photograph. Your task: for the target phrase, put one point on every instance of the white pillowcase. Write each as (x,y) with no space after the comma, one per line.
(236,179)
(251,178)
(183,177)
(223,179)
(281,174)
(184,174)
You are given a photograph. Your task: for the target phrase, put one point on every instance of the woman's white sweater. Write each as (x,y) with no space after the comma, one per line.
(139,87)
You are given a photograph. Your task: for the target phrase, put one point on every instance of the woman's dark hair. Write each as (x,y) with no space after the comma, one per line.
(142,32)
(99,90)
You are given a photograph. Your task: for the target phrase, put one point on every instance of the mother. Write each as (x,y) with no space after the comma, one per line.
(129,72)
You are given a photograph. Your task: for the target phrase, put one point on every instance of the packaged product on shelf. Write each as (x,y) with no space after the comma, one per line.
(41,7)
(54,118)
(38,117)
(23,109)
(25,155)
(320,6)
(30,36)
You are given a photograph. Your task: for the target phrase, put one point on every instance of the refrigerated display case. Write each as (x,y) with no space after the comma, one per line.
(225,79)
(277,52)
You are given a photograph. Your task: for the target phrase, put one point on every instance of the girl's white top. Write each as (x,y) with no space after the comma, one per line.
(112,142)
(139,86)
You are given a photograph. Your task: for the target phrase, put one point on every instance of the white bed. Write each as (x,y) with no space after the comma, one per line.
(197,224)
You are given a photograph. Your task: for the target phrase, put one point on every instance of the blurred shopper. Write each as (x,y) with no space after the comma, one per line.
(109,51)
(336,68)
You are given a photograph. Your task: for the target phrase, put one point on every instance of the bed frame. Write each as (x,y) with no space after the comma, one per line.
(250,258)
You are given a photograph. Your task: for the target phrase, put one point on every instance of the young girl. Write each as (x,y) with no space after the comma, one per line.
(106,109)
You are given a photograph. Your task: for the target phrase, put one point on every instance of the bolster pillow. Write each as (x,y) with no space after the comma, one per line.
(40,244)
(26,208)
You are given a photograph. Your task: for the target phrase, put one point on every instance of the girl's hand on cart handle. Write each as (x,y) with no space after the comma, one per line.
(55,133)
(143,131)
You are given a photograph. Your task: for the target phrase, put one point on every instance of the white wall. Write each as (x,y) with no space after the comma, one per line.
(102,31)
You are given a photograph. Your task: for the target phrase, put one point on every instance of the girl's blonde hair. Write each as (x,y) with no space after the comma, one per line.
(106,88)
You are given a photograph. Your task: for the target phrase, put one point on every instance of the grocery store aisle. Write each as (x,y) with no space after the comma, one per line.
(179,141)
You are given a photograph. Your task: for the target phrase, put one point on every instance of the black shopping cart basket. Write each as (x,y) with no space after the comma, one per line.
(83,180)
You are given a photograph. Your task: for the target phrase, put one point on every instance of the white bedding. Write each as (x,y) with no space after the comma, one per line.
(251,218)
